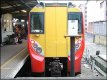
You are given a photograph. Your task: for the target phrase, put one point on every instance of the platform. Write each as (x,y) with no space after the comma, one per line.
(8,51)
(13,58)
(61,78)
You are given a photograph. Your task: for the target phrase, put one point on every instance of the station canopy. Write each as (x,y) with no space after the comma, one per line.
(17,7)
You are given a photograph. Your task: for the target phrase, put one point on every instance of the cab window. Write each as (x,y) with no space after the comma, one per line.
(37,22)
(76,16)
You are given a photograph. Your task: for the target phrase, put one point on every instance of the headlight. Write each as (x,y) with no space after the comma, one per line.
(38,50)
(36,46)
(77,46)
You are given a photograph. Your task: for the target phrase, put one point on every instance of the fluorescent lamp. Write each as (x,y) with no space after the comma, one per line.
(24,11)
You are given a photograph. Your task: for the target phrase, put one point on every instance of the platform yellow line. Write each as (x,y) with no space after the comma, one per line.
(11,59)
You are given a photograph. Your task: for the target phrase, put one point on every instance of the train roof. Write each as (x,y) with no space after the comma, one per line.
(40,7)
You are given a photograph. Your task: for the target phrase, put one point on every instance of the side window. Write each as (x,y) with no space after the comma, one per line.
(76,16)
(37,22)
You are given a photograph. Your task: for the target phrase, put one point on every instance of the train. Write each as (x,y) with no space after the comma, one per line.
(49,49)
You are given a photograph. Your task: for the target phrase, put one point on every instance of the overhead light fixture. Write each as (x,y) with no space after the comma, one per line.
(24,11)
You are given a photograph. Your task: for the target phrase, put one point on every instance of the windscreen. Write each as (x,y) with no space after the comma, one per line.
(76,16)
(37,22)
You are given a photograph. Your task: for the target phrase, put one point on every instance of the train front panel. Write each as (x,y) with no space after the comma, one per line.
(48,48)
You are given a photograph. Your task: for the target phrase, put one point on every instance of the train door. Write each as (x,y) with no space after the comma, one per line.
(55,24)
(61,28)
(50,32)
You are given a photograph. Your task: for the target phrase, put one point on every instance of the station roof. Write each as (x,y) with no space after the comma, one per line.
(17,7)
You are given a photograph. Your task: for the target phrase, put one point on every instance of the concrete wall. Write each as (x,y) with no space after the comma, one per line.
(103,40)
(83,8)
(96,19)
(100,28)
(99,39)
(96,10)
(90,28)
(6,26)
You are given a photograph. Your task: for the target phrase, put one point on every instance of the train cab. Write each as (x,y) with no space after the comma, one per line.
(48,47)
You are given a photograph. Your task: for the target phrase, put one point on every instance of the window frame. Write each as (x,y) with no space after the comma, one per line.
(32,13)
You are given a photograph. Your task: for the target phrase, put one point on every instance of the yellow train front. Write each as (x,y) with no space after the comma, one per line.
(48,47)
